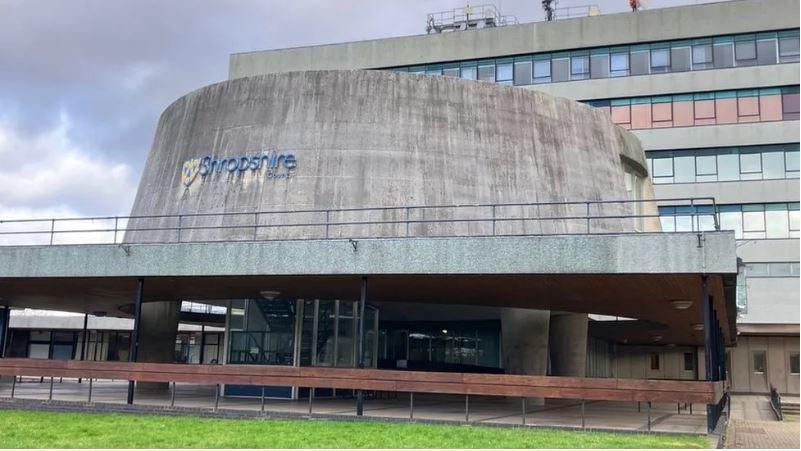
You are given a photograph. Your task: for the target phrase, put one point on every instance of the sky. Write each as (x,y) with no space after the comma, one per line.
(83,82)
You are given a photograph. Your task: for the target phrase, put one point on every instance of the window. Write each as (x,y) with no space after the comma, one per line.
(660,60)
(469,72)
(435,69)
(640,61)
(728,167)
(523,73)
(788,48)
(451,71)
(753,221)
(655,361)
(663,170)
(619,64)
(759,360)
(723,52)
(505,73)
(745,52)
(684,169)
(706,168)
(680,59)
(702,56)
(560,68)
(791,164)
(542,71)
(766,49)
(794,366)
(599,66)
(486,71)
(689,361)
(579,67)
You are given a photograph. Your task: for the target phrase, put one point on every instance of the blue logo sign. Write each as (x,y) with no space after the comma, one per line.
(278,165)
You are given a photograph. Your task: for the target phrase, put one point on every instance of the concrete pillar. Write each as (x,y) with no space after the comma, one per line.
(525,342)
(157,333)
(568,344)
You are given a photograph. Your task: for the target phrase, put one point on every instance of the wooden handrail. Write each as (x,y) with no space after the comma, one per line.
(606,389)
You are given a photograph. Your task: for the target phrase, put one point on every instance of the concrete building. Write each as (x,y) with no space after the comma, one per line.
(710,90)
(350,210)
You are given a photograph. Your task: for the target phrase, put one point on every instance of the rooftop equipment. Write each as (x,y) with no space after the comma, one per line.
(467,18)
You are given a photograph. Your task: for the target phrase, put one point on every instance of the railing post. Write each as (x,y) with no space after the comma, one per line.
(179,228)
(583,420)
(407,222)
(360,350)
(466,408)
(588,218)
(311,400)
(493,220)
(91,380)
(524,411)
(52,230)
(649,416)
(327,222)
(50,394)
(172,394)
(216,397)
(13,386)
(134,352)
(116,227)
(262,399)
(255,228)
(411,406)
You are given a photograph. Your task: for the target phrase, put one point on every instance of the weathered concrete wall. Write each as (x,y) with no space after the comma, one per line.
(369,138)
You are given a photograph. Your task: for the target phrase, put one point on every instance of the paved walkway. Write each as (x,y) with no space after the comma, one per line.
(754,425)
(762,434)
(624,416)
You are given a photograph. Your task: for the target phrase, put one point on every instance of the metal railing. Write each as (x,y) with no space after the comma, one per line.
(502,219)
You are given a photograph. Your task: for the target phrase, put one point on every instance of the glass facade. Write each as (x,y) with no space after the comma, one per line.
(628,60)
(724,164)
(703,108)
(772,269)
(441,346)
(748,221)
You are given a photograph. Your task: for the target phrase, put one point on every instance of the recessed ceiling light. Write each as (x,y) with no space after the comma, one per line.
(698,326)
(681,304)
(269,294)
(657,337)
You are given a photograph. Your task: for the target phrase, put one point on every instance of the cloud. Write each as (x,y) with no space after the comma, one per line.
(46,173)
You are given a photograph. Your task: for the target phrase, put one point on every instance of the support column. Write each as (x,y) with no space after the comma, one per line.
(567,344)
(84,339)
(157,333)
(525,343)
(132,353)
(5,319)
(709,350)
(360,356)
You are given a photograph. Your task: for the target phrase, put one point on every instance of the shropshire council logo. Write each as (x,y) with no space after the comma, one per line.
(278,165)
(189,171)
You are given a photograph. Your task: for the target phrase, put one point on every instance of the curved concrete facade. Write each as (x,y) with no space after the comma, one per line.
(371,138)
(352,139)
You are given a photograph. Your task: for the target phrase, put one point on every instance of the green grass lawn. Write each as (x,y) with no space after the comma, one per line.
(27,429)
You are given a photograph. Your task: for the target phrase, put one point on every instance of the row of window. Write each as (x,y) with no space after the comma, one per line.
(703,108)
(724,164)
(748,221)
(773,269)
(641,59)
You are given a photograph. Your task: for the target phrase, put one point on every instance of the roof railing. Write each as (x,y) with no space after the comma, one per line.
(457,220)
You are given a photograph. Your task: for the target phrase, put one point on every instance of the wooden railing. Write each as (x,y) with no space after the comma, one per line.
(598,389)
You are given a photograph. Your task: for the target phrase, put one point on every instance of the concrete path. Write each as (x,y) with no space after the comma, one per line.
(753,425)
(762,434)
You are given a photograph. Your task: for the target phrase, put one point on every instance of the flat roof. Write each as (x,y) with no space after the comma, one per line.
(735,16)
